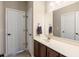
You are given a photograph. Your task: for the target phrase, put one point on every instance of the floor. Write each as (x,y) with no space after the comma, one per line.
(22,54)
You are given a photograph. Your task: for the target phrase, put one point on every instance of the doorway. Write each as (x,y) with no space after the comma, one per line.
(14,31)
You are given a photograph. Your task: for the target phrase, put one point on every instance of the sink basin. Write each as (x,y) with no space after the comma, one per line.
(47,39)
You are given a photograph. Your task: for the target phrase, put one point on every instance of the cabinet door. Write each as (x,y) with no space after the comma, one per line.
(42,50)
(52,53)
(36,49)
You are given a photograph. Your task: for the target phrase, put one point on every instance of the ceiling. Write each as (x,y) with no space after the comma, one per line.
(54,5)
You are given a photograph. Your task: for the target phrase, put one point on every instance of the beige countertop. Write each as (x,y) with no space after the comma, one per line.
(67,47)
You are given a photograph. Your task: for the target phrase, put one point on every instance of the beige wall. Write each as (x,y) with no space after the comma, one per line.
(20,5)
(57,17)
(1,28)
(48,18)
(42,15)
(30,42)
(38,15)
(48,21)
(16,5)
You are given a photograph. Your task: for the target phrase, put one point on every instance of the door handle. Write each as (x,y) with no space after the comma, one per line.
(77,34)
(9,34)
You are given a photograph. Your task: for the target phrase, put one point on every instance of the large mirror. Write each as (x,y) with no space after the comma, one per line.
(66,22)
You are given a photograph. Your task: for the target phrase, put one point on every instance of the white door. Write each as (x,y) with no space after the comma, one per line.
(67,25)
(30,31)
(15,35)
(77,26)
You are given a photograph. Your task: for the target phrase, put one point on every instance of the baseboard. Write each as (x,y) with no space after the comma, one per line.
(1,55)
(20,51)
(29,53)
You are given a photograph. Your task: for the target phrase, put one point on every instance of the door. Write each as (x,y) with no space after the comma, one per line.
(30,31)
(67,25)
(15,35)
(77,26)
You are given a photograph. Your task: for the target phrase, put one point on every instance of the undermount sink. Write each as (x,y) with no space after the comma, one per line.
(47,39)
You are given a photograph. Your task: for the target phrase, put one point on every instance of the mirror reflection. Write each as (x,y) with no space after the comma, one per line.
(66,22)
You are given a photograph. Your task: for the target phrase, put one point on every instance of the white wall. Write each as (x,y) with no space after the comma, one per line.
(38,15)
(48,21)
(42,16)
(30,28)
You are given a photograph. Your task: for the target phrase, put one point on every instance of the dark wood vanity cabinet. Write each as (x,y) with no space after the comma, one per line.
(41,50)
(36,49)
(51,53)
(60,55)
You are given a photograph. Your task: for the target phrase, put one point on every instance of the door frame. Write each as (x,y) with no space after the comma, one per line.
(31,29)
(5,44)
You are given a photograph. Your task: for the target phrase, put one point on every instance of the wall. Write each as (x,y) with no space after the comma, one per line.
(30,28)
(57,17)
(48,18)
(48,21)
(38,15)
(19,5)
(1,28)
(42,15)
(16,5)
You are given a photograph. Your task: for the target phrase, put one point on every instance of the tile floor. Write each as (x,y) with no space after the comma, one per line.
(22,54)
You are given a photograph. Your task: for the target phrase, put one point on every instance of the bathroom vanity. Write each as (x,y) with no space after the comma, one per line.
(55,47)
(40,50)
